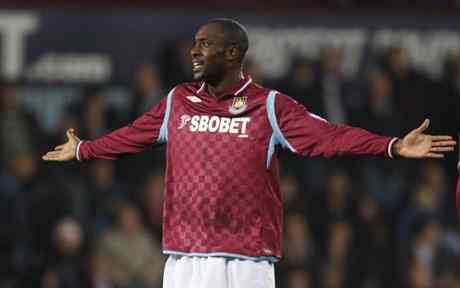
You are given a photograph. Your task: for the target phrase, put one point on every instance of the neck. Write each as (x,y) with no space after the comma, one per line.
(230,79)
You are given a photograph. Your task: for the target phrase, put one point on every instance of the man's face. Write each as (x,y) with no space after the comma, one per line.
(208,53)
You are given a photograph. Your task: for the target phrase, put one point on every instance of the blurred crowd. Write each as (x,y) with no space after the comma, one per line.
(349,222)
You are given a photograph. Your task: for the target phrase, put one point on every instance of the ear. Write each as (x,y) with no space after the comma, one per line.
(232,53)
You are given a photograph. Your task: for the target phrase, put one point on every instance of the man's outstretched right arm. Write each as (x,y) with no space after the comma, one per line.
(133,138)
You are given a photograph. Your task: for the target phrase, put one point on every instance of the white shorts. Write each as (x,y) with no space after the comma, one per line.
(217,272)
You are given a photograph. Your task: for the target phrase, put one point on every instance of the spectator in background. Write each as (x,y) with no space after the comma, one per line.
(419,276)
(334,204)
(338,259)
(333,277)
(175,62)
(426,207)
(104,191)
(426,240)
(376,175)
(31,201)
(132,258)
(152,195)
(411,89)
(432,252)
(19,132)
(426,243)
(450,92)
(100,274)
(67,268)
(291,193)
(329,89)
(427,199)
(446,258)
(373,266)
(298,278)
(299,249)
(17,229)
(91,116)
(147,92)
(380,113)
(298,83)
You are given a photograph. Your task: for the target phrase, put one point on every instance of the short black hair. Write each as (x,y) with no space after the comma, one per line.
(234,32)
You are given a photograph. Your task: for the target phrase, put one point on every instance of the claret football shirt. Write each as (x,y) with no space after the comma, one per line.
(222,193)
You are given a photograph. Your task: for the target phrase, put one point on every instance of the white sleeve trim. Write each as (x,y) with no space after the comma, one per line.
(163,135)
(318,117)
(77,152)
(274,122)
(390,146)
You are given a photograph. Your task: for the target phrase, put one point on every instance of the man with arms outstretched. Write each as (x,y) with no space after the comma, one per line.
(222,221)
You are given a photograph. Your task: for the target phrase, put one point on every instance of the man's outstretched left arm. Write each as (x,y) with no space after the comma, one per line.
(308,134)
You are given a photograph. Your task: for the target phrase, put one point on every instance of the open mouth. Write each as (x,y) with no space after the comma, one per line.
(197,65)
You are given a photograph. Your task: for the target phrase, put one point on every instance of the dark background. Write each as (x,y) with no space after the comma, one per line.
(350,222)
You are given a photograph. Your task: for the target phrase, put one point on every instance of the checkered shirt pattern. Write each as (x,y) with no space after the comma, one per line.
(221,198)
(217,199)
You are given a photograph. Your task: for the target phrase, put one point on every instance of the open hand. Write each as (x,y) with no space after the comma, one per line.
(419,145)
(64,152)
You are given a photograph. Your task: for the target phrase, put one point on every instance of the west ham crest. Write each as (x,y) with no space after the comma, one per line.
(238,105)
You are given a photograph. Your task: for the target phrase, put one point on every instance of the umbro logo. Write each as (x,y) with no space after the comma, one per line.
(193,99)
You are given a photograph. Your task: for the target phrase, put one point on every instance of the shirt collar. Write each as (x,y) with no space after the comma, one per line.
(235,90)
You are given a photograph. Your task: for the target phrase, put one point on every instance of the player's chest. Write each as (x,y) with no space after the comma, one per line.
(235,120)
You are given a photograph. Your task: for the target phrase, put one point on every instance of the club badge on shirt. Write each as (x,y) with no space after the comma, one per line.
(238,105)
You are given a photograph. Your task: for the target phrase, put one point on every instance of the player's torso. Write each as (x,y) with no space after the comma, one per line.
(217,144)
(217,169)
